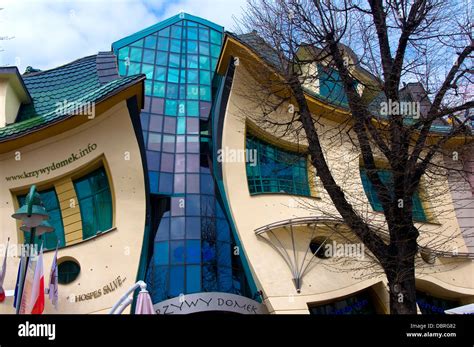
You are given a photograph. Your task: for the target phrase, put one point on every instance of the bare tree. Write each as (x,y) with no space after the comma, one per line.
(396,41)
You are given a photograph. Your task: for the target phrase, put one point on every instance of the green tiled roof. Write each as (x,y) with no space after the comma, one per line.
(79,82)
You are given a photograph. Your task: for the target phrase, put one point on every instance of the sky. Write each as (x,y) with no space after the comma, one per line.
(49,33)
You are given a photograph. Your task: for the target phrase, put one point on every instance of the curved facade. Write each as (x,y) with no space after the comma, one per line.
(193,249)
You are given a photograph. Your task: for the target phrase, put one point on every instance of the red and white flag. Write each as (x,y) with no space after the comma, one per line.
(3,272)
(53,281)
(34,290)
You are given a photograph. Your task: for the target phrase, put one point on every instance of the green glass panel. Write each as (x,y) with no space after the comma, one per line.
(193,108)
(136,54)
(193,92)
(173,75)
(216,37)
(134,68)
(148,87)
(150,42)
(181,128)
(193,76)
(162,58)
(138,43)
(205,92)
(174,60)
(175,46)
(164,32)
(214,64)
(192,47)
(159,89)
(192,62)
(149,56)
(192,33)
(122,67)
(176,31)
(204,34)
(215,51)
(203,48)
(123,53)
(148,70)
(204,62)
(163,44)
(160,73)
(172,91)
(205,77)
(171,107)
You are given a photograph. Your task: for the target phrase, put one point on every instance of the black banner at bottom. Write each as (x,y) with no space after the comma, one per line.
(219,328)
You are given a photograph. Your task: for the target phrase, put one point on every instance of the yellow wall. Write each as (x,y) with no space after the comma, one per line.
(9,103)
(103,258)
(322,283)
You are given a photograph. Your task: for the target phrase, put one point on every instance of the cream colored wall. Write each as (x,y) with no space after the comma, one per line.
(251,212)
(103,258)
(9,103)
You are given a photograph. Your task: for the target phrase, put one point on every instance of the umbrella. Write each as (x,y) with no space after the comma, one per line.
(144,304)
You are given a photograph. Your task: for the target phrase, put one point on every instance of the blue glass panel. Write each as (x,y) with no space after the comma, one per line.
(161,253)
(166,183)
(209,278)
(176,281)
(167,162)
(122,67)
(207,184)
(223,231)
(225,278)
(193,252)
(208,252)
(163,232)
(154,141)
(173,75)
(193,278)
(177,251)
(193,205)
(172,91)
(153,179)
(148,87)
(192,34)
(192,47)
(193,228)
(177,206)
(177,228)
(205,92)
(153,160)
(164,32)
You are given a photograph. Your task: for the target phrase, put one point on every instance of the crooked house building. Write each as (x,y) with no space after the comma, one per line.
(126,148)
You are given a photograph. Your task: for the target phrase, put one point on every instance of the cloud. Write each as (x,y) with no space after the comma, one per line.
(48,33)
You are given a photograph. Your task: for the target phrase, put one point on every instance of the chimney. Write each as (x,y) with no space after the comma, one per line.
(13,93)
